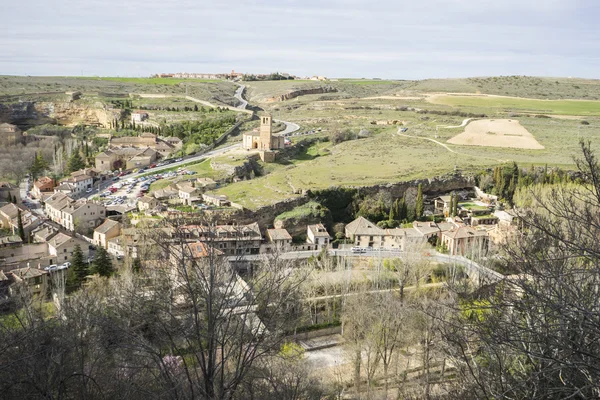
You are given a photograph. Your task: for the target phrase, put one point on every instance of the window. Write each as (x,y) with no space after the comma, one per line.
(64,250)
(65,258)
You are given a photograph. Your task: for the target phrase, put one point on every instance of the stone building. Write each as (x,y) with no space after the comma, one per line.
(10,134)
(264,140)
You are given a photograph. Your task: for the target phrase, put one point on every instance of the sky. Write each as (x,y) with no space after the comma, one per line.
(390,39)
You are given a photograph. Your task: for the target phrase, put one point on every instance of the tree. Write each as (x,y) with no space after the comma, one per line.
(536,336)
(78,271)
(452,200)
(419,203)
(102,264)
(38,166)
(75,162)
(20,225)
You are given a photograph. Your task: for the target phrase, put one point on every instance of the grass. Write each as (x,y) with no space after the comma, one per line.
(472,206)
(202,169)
(566,107)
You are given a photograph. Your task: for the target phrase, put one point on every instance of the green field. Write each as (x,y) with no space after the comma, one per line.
(509,104)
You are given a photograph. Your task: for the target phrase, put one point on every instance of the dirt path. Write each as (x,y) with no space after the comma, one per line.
(448,148)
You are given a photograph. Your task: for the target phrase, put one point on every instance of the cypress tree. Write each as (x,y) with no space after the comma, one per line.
(419,203)
(455,209)
(20,225)
(451,211)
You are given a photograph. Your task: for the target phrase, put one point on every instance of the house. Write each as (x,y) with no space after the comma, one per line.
(280,239)
(147,203)
(61,247)
(108,230)
(22,255)
(9,192)
(166,193)
(364,233)
(442,204)
(485,219)
(54,206)
(139,116)
(83,214)
(10,241)
(125,157)
(35,279)
(44,233)
(232,240)
(318,235)
(128,244)
(216,200)
(506,218)
(188,193)
(43,188)
(10,134)
(75,185)
(463,240)
(7,214)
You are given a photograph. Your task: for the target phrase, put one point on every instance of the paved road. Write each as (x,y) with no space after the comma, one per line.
(185,160)
(290,127)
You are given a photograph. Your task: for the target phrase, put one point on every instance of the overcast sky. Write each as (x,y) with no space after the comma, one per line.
(337,38)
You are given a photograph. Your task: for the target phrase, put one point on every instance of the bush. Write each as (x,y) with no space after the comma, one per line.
(342,136)
(584,123)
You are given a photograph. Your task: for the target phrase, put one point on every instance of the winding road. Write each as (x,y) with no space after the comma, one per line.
(290,127)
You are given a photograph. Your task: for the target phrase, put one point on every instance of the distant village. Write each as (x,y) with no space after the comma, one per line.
(237,76)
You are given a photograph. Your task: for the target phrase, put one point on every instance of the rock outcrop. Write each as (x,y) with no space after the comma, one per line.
(69,113)
(302,92)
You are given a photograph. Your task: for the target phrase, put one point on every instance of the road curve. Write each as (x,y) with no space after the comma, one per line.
(290,127)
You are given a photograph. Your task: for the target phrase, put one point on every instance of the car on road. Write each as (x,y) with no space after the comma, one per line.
(51,268)
(89,190)
(152,166)
(179,159)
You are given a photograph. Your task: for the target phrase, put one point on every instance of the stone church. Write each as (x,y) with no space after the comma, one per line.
(264,140)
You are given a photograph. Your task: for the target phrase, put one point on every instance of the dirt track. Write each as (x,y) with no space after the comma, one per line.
(497,133)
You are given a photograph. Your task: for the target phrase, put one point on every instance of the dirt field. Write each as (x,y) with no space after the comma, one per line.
(497,133)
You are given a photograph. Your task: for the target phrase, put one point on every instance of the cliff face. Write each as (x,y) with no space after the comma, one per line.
(29,113)
(302,92)
(440,184)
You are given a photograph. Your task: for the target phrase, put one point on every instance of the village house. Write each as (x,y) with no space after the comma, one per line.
(35,279)
(126,158)
(43,188)
(83,214)
(108,230)
(130,243)
(21,255)
(10,134)
(317,234)
(61,247)
(9,219)
(9,192)
(188,193)
(280,239)
(147,203)
(463,240)
(366,234)
(44,233)
(216,200)
(139,116)
(10,241)
(232,240)
(75,185)
(54,206)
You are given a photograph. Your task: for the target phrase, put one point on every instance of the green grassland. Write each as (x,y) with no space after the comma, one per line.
(509,104)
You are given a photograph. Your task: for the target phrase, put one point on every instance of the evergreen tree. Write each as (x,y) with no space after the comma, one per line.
(451,211)
(75,162)
(419,203)
(38,166)
(195,107)
(455,206)
(78,271)
(402,210)
(20,225)
(102,263)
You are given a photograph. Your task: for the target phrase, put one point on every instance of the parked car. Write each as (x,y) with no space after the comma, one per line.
(357,249)
(179,159)
(51,268)
(89,190)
